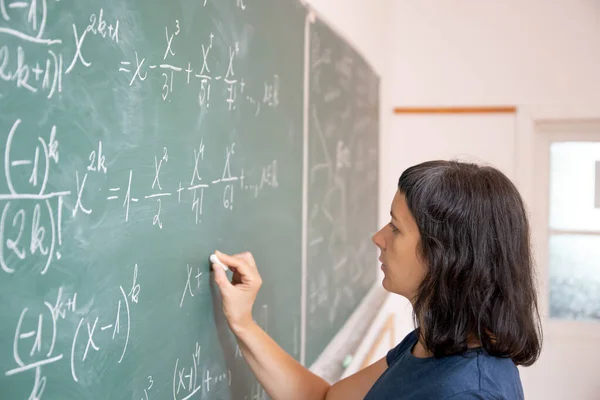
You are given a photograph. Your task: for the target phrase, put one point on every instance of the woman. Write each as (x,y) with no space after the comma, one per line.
(457,247)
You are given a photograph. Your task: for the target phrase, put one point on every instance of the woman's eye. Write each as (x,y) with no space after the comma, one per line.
(394,229)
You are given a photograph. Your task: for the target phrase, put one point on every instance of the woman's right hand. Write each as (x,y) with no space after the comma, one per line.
(239,294)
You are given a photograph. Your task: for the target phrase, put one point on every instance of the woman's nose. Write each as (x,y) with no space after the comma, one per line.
(378,239)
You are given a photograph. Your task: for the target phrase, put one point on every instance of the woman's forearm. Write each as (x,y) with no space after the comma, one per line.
(280,374)
(282,377)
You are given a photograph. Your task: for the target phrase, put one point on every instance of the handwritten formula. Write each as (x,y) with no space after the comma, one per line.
(111,161)
(140,136)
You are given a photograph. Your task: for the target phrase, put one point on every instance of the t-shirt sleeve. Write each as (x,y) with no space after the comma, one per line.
(473,395)
(406,343)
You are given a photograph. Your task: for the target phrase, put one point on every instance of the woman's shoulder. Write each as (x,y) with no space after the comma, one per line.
(499,374)
(477,370)
(474,371)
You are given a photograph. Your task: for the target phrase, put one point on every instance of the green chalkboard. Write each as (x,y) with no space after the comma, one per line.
(342,185)
(139,136)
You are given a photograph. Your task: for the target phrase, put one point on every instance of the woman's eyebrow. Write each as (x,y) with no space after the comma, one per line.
(398,223)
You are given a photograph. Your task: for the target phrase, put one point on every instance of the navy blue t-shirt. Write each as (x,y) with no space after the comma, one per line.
(474,375)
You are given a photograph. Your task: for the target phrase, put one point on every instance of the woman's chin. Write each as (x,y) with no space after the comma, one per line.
(384,282)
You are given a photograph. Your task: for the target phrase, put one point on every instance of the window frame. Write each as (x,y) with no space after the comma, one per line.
(545,132)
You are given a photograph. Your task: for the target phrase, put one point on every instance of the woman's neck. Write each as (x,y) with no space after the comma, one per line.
(421,351)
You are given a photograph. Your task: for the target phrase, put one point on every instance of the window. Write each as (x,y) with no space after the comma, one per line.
(574,230)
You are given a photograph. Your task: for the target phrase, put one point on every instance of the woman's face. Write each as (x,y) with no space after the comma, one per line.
(398,241)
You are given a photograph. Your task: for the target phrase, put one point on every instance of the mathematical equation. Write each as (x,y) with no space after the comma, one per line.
(207,75)
(196,185)
(44,72)
(35,341)
(187,378)
(29,205)
(32,350)
(43,192)
(186,374)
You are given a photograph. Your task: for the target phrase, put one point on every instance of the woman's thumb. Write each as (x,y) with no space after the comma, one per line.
(221,278)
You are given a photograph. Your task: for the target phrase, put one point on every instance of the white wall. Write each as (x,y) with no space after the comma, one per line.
(533,54)
(495,52)
(364,25)
(528,53)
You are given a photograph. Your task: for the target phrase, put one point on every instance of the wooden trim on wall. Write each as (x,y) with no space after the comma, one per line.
(457,110)
(388,327)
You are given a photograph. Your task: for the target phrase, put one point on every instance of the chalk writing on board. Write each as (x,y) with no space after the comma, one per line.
(195,182)
(47,152)
(157,165)
(34,210)
(341,118)
(208,76)
(97,160)
(36,15)
(170,39)
(187,384)
(127,198)
(156,182)
(80,188)
(79,40)
(271,95)
(42,353)
(192,284)
(39,75)
(168,71)
(134,293)
(227,178)
(127,194)
(44,73)
(230,79)
(42,345)
(97,26)
(100,177)
(189,379)
(117,325)
(148,388)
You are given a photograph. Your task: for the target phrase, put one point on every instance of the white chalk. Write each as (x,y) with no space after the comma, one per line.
(215,260)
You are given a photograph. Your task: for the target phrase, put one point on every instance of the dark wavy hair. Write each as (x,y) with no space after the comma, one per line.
(475,241)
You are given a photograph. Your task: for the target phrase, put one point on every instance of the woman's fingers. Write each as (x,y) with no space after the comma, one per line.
(243,264)
(239,294)
(236,278)
(239,263)
(249,258)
